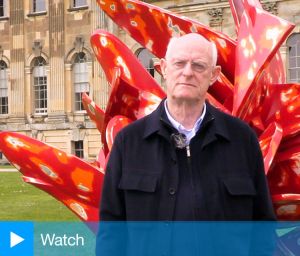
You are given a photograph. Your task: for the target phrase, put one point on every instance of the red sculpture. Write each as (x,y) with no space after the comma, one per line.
(252,87)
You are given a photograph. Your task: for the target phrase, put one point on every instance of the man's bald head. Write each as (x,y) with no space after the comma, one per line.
(192,38)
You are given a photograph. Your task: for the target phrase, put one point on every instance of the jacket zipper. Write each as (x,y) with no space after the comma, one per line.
(188,154)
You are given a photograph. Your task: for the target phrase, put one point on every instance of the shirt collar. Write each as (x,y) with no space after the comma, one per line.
(190,133)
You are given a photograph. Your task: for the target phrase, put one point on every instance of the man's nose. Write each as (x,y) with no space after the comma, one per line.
(187,70)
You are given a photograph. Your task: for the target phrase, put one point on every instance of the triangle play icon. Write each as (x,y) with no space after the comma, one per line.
(15,239)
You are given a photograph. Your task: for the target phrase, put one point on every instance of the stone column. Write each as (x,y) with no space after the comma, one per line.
(56,109)
(283,50)
(68,89)
(27,93)
(100,86)
(17,60)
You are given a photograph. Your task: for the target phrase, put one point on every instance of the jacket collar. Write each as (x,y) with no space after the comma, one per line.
(214,126)
(157,122)
(217,119)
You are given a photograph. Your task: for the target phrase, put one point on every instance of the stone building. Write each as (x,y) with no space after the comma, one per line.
(46,62)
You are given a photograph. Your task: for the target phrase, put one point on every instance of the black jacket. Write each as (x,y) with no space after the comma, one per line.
(144,181)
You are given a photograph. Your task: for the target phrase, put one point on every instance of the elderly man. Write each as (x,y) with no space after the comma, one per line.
(186,160)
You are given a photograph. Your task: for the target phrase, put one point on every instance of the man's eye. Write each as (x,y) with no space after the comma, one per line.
(198,67)
(179,63)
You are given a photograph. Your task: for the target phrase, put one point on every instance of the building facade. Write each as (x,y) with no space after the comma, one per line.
(46,62)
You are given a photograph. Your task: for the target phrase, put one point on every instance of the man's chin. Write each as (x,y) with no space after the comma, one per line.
(186,98)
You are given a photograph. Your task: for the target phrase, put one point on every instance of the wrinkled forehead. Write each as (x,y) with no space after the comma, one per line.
(190,47)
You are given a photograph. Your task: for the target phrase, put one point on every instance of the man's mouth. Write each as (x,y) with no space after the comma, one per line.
(186,84)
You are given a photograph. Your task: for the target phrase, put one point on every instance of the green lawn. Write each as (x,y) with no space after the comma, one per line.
(7,166)
(21,201)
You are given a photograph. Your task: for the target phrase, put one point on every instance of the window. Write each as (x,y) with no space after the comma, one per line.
(293,43)
(80,78)
(38,6)
(145,57)
(2,8)
(78,148)
(79,3)
(40,85)
(3,88)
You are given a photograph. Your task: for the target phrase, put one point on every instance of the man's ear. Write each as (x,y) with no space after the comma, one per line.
(163,65)
(215,74)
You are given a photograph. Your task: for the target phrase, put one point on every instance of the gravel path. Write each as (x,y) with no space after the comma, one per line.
(8,170)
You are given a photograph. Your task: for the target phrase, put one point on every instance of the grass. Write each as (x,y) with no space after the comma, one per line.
(6,166)
(22,201)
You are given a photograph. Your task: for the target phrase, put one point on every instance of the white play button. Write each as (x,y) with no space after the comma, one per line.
(15,239)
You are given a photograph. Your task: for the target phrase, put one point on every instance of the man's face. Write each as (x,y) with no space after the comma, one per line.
(189,70)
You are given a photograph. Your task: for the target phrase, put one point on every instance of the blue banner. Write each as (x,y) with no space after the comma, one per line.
(198,238)
(150,238)
(16,238)
(63,239)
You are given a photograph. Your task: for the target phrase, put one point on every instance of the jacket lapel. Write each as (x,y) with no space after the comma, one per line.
(159,123)
(213,126)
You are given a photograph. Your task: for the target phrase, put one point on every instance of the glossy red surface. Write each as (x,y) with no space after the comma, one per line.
(69,179)
(251,87)
(114,125)
(114,55)
(152,27)
(95,112)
